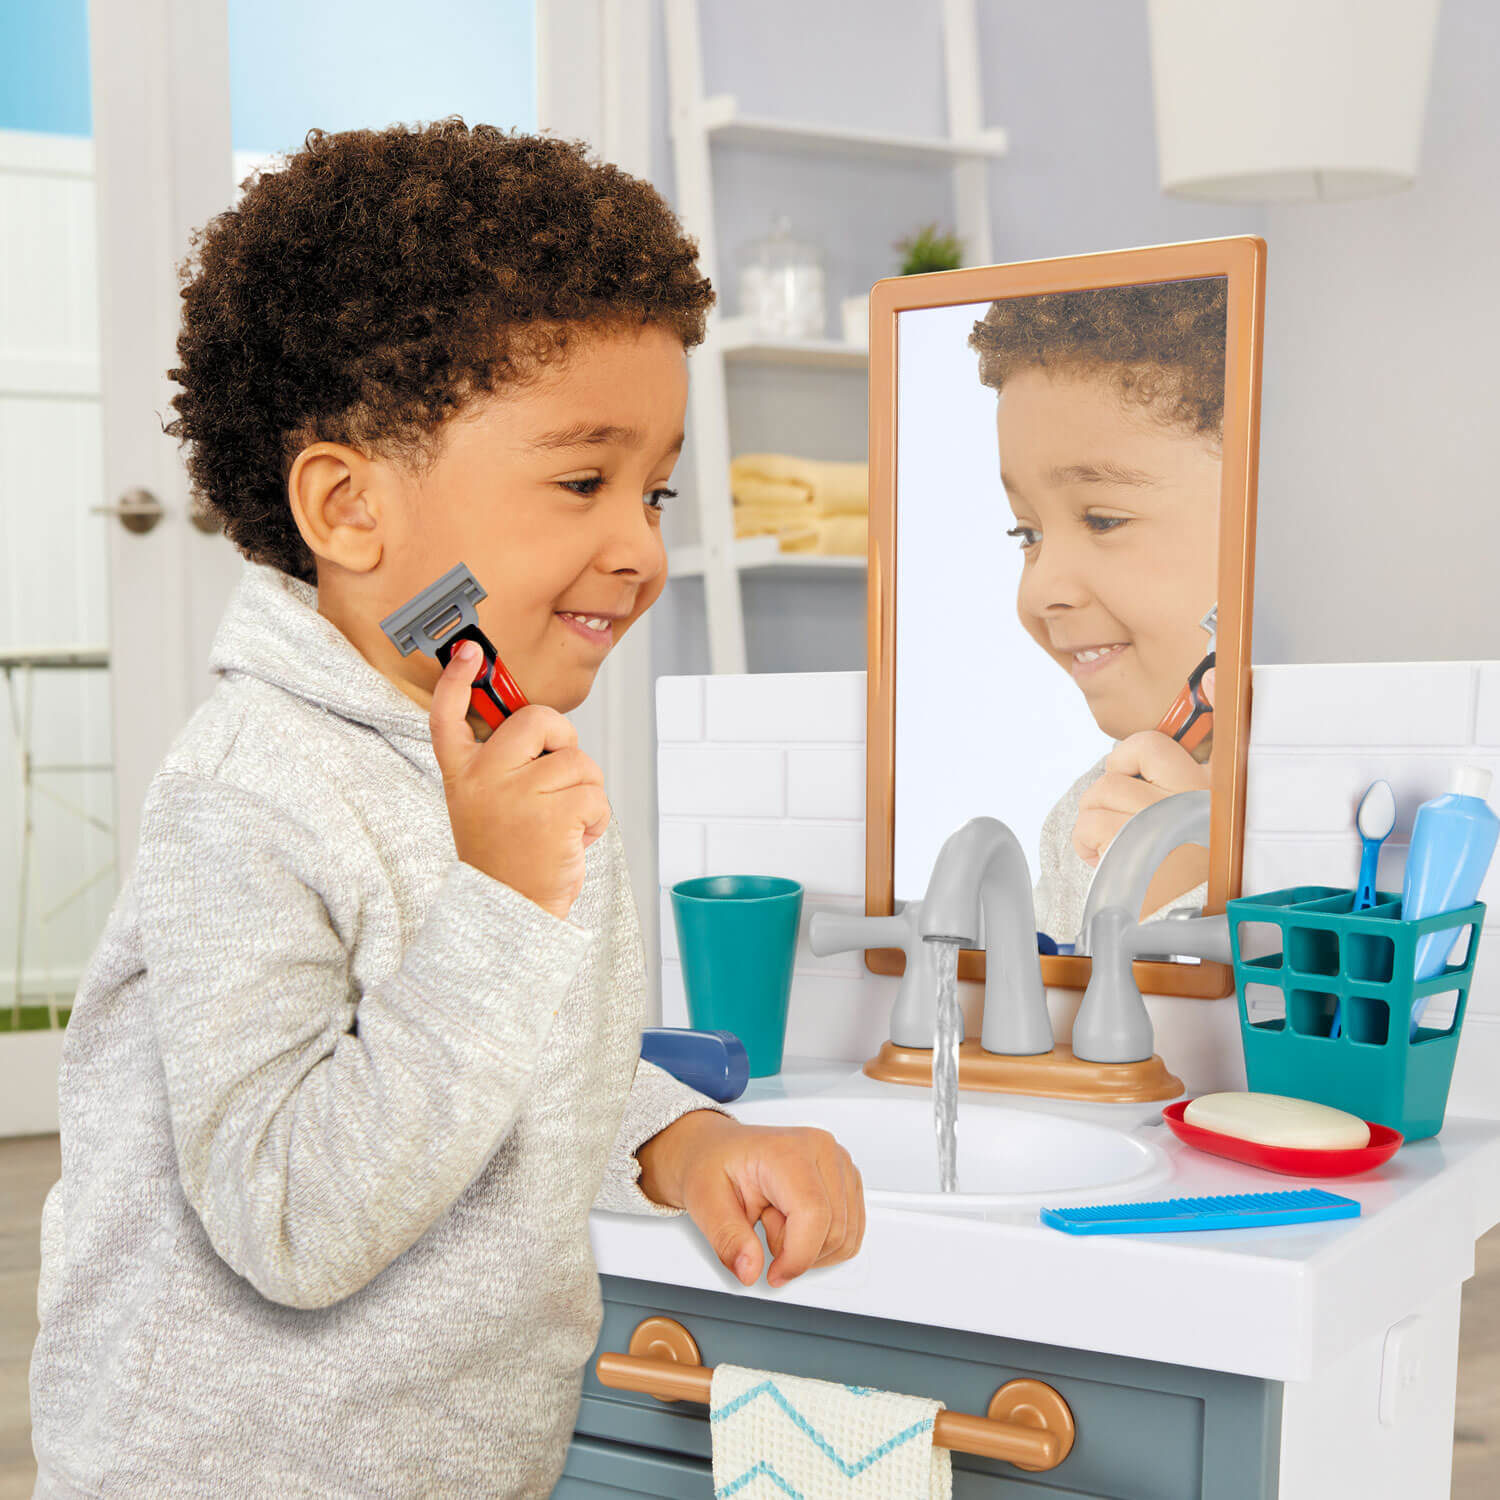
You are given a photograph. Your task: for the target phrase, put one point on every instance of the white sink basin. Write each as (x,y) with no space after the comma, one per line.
(1006,1157)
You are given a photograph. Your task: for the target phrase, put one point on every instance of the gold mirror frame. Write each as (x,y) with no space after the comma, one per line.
(1242,260)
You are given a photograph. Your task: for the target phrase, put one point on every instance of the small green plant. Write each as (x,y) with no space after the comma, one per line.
(928,250)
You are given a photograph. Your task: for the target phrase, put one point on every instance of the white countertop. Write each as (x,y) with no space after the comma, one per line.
(1278,1303)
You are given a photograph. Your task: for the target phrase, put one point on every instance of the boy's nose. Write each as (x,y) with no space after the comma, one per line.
(1052,582)
(631,543)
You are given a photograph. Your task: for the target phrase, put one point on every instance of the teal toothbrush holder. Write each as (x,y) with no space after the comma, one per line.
(737,935)
(1362,966)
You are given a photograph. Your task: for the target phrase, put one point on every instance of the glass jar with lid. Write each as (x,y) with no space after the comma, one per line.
(781,286)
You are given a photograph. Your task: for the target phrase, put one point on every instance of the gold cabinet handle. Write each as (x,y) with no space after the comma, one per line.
(1027,1423)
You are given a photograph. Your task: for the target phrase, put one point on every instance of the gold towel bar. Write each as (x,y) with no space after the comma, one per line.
(1027,1424)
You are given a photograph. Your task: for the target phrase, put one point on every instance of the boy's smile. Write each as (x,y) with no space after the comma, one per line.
(550,489)
(1118,515)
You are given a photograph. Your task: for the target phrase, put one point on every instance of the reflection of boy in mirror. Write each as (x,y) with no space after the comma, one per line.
(1110,424)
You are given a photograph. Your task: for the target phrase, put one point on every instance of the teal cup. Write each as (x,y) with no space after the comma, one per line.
(738,938)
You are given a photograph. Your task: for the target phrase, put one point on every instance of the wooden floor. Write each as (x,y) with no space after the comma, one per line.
(29,1167)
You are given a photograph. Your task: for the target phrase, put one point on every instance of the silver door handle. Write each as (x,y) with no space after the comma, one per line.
(138,510)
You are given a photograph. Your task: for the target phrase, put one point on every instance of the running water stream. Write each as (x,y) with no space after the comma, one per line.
(950,1025)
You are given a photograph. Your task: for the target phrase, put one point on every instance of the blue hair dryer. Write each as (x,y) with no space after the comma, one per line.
(713,1062)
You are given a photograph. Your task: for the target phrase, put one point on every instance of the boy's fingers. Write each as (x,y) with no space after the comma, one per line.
(802,1196)
(774,1222)
(529,731)
(727,1226)
(1158,758)
(453,740)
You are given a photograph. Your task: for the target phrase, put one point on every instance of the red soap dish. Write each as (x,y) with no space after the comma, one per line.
(1291,1161)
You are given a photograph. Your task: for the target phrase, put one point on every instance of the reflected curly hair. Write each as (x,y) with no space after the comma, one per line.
(1161,343)
(380,281)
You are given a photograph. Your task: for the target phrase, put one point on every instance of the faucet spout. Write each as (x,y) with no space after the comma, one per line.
(981,875)
(1125,872)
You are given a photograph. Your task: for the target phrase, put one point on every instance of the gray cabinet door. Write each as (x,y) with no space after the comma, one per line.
(1146,1431)
(595,1470)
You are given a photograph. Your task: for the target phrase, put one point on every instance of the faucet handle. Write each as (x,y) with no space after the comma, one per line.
(1112,1023)
(838,932)
(913,1016)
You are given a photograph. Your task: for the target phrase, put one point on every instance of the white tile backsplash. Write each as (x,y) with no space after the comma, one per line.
(1300,792)
(1361,705)
(732,745)
(679,847)
(1487,714)
(786,707)
(679,709)
(737,781)
(826,783)
(828,858)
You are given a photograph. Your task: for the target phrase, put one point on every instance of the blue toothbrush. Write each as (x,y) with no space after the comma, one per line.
(1375,819)
(1237,1211)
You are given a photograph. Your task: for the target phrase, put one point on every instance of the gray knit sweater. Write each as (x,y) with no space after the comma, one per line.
(335,1108)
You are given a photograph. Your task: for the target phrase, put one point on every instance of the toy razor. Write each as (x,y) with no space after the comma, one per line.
(1190,720)
(436,621)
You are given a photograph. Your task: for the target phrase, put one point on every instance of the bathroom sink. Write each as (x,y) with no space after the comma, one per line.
(1007,1157)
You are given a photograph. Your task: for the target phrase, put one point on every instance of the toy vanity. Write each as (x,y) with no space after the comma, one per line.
(1063,850)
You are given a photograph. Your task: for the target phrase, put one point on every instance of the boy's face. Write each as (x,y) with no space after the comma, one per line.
(546,490)
(1118,515)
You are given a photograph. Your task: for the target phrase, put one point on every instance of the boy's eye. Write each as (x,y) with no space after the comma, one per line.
(590,486)
(1102,524)
(1028,536)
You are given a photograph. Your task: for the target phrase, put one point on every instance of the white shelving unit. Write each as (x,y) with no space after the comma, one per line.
(697,124)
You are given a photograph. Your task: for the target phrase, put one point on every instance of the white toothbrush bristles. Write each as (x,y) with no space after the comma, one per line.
(1377,811)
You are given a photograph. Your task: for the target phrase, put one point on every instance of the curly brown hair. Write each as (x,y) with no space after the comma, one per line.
(380,281)
(1162,343)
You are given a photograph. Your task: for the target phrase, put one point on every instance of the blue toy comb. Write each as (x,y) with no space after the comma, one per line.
(1238,1211)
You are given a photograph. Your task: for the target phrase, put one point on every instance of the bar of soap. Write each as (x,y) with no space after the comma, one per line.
(1275,1120)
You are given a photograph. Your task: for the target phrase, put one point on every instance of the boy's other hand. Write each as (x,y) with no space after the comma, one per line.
(1139,771)
(522,817)
(799,1182)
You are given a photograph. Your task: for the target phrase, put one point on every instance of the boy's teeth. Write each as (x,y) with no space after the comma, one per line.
(1094,655)
(593,622)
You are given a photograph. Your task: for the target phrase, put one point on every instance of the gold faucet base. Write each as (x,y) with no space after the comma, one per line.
(1049,1075)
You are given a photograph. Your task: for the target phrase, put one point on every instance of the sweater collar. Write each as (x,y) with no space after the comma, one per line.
(272,631)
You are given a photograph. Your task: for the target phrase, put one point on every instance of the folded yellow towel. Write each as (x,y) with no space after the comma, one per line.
(800,485)
(837,536)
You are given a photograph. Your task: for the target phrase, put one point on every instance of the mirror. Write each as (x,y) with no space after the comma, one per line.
(1062,534)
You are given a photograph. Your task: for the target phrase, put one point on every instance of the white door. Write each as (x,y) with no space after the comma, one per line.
(163,166)
(114,141)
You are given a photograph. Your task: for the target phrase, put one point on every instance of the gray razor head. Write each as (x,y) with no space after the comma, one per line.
(1210,623)
(428,619)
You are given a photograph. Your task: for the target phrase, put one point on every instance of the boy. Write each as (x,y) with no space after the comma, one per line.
(360,1045)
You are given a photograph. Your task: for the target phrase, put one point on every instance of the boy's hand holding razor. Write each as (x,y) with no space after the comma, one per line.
(519,815)
(1141,770)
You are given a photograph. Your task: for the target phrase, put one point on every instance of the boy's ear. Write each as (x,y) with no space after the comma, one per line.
(336,502)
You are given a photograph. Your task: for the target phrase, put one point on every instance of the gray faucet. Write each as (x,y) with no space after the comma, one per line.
(980,875)
(1112,1024)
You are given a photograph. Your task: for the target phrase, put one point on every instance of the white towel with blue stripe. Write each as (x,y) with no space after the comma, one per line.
(784,1437)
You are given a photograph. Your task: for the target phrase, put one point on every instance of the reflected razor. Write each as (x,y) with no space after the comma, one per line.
(1190,720)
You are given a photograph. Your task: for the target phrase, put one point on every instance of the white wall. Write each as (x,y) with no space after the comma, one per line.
(1380,505)
(763,774)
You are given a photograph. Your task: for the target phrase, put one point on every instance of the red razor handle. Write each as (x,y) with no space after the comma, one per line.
(494,695)
(1190,720)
